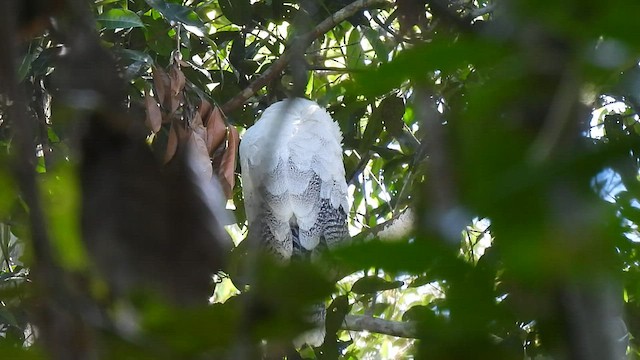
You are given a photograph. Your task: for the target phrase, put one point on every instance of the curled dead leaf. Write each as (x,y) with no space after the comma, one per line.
(154,116)
(226,171)
(216,130)
(177,80)
(199,157)
(199,152)
(175,102)
(162,84)
(197,120)
(172,144)
(204,108)
(178,135)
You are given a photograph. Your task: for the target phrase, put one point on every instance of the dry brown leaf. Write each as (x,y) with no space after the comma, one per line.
(154,115)
(216,130)
(162,85)
(199,157)
(175,102)
(197,120)
(204,109)
(227,167)
(172,143)
(177,80)
(199,130)
(178,136)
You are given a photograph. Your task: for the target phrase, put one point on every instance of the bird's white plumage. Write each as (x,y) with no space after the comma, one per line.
(293,177)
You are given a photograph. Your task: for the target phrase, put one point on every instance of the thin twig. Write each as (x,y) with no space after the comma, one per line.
(333,69)
(298,46)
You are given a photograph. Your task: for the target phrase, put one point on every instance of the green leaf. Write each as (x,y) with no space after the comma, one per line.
(8,190)
(52,136)
(391,110)
(418,313)
(416,257)
(355,55)
(372,132)
(25,64)
(237,11)
(119,19)
(156,34)
(134,55)
(6,317)
(335,315)
(177,13)
(45,60)
(421,281)
(373,284)
(382,53)
(439,55)
(61,195)
(162,319)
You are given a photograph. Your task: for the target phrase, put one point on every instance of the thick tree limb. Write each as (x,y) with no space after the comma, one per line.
(298,46)
(24,129)
(406,329)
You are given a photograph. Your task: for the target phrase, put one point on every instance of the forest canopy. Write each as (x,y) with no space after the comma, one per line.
(491,151)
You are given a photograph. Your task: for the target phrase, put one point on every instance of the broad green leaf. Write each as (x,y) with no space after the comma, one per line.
(135,55)
(237,11)
(61,193)
(422,280)
(355,55)
(418,313)
(45,60)
(391,110)
(416,257)
(8,190)
(373,130)
(440,55)
(119,19)
(381,50)
(373,284)
(156,34)
(52,136)
(25,64)
(177,13)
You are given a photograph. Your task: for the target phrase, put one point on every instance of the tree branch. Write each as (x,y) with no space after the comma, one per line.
(399,226)
(406,329)
(298,46)
(23,132)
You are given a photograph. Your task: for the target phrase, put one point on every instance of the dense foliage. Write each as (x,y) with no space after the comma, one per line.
(499,141)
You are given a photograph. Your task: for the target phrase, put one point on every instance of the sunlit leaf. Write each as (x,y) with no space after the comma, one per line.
(237,11)
(355,55)
(373,284)
(177,13)
(119,18)
(61,192)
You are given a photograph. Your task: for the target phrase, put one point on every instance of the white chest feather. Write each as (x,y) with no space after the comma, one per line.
(293,177)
